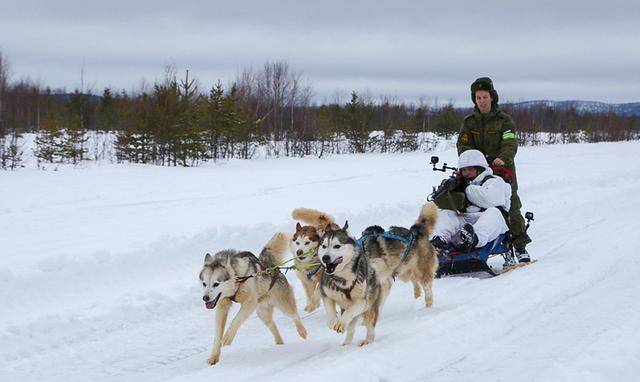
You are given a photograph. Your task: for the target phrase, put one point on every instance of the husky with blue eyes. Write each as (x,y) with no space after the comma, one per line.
(349,282)
(230,276)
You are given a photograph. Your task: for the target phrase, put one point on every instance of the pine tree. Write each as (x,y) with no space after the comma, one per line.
(447,121)
(75,139)
(164,118)
(50,140)
(327,120)
(132,141)
(107,112)
(213,119)
(14,151)
(409,136)
(419,119)
(357,119)
(233,125)
(11,151)
(190,143)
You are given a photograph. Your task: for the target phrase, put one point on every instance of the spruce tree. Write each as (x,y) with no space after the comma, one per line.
(327,126)
(408,140)
(11,151)
(107,112)
(190,143)
(357,120)
(50,143)
(447,121)
(213,119)
(234,126)
(75,139)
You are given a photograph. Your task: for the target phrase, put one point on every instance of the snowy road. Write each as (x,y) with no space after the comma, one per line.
(98,273)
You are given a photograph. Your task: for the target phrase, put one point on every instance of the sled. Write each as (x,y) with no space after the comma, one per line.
(488,259)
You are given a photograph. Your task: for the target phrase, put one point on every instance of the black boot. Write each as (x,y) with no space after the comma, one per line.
(468,238)
(440,243)
(522,255)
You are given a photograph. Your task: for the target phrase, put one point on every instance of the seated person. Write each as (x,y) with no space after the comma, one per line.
(483,220)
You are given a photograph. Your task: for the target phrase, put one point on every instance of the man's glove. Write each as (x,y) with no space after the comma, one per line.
(455,183)
(452,184)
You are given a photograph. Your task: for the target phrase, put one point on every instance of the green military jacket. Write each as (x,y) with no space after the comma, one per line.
(493,133)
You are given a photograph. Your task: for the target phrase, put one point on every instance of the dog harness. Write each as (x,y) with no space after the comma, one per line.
(388,235)
(346,291)
(313,271)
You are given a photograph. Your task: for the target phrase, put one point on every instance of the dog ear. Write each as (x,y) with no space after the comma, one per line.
(208,259)
(298,227)
(346,226)
(327,228)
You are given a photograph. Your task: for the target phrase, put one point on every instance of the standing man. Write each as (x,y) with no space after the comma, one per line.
(493,132)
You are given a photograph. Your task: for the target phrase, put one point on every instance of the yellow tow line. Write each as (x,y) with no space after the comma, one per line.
(281,266)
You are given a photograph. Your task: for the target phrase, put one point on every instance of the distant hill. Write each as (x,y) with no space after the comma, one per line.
(625,109)
(65,97)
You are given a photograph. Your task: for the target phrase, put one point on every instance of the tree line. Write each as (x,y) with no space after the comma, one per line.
(178,122)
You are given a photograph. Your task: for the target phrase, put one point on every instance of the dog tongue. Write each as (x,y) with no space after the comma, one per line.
(337,261)
(210,304)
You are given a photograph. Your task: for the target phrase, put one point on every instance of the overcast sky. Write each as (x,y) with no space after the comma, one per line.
(538,49)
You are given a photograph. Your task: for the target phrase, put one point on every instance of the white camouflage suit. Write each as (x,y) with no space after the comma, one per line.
(487,196)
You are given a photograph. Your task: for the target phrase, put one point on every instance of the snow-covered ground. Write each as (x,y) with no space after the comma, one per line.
(99,266)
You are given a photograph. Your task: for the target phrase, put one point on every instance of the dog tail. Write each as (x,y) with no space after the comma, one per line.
(426,222)
(312,217)
(274,251)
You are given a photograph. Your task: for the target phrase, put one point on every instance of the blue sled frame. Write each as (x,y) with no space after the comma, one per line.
(454,262)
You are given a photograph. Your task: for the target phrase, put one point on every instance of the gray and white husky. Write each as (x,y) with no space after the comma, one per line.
(223,277)
(349,282)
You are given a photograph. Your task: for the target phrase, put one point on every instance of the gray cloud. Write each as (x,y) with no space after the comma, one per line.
(410,49)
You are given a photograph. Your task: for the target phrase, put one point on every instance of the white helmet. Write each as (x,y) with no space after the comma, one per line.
(472,158)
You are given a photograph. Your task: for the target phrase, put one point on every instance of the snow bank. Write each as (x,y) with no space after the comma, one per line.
(99,265)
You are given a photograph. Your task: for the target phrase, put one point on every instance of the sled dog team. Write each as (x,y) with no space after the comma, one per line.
(351,278)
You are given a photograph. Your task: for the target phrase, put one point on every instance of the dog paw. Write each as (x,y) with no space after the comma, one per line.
(302,331)
(365,342)
(339,326)
(311,307)
(428,300)
(332,322)
(227,339)
(213,359)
